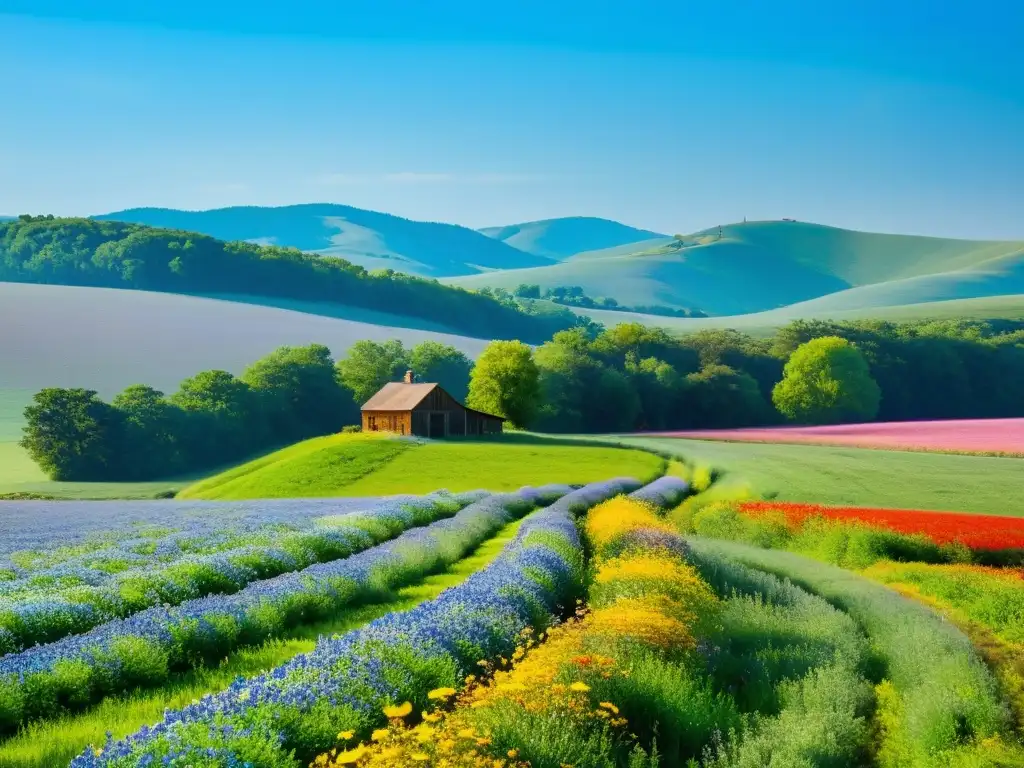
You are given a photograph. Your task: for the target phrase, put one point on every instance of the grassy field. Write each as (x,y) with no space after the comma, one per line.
(765,265)
(55,742)
(856,476)
(371,465)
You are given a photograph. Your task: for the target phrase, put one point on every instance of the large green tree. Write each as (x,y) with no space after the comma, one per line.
(223,417)
(505,382)
(718,397)
(827,381)
(368,366)
(151,444)
(73,435)
(442,364)
(299,394)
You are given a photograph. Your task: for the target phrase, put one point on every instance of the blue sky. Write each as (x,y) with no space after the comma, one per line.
(899,116)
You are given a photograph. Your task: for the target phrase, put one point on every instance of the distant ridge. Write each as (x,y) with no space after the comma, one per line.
(373,240)
(561,238)
(766,265)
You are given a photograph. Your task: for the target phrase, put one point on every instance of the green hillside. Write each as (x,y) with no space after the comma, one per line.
(375,464)
(372,240)
(765,323)
(559,239)
(760,266)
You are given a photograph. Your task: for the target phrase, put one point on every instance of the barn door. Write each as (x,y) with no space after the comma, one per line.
(438,424)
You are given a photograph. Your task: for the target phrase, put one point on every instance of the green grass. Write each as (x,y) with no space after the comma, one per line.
(938,700)
(502,465)
(55,742)
(855,476)
(370,465)
(319,467)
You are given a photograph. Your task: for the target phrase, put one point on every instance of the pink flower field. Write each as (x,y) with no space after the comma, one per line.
(1004,436)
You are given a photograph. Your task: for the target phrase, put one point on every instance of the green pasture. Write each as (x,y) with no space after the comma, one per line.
(855,476)
(373,465)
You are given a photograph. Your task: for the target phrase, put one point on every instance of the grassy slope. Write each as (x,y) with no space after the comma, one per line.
(375,240)
(56,742)
(561,238)
(857,476)
(318,467)
(759,266)
(364,465)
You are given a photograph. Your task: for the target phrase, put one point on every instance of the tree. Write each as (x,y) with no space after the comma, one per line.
(299,393)
(72,435)
(444,365)
(369,366)
(221,417)
(719,396)
(504,382)
(151,442)
(827,380)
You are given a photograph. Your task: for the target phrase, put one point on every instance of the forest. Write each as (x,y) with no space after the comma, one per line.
(107,254)
(624,379)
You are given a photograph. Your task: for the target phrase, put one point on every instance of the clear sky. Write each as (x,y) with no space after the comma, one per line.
(894,115)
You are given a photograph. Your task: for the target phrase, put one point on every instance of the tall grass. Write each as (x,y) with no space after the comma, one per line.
(938,704)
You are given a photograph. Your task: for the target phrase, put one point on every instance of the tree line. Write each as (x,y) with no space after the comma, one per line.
(85,252)
(575,296)
(626,378)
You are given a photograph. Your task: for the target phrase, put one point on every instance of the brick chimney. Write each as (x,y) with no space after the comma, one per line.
(408,377)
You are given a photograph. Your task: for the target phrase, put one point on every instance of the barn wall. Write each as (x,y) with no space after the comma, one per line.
(399,422)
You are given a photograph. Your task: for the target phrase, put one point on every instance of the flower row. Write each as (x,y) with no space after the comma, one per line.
(344,684)
(144,649)
(31,619)
(974,531)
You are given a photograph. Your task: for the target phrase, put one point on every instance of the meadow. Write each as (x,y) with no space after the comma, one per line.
(853,476)
(623,623)
(373,464)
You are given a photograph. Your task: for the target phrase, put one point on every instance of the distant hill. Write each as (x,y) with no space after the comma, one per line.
(559,239)
(372,240)
(761,266)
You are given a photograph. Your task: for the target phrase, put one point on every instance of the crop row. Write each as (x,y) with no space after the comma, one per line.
(642,675)
(31,619)
(45,533)
(144,649)
(345,683)
(938,704)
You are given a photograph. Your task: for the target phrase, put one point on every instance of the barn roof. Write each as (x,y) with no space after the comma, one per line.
(398,396)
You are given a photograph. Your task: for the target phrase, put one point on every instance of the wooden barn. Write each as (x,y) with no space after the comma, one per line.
(426,410)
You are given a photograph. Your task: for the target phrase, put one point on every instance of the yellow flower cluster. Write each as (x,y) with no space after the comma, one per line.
(607,521)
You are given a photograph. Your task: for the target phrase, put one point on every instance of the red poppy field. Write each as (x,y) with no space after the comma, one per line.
(975,531)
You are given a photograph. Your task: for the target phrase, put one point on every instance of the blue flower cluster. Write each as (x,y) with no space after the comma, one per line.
(31,617)
(59,526)
(663,493)
(293,712)
(145,648)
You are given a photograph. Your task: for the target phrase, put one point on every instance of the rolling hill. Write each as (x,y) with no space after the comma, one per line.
(370,239)
(558,239)
(762,266)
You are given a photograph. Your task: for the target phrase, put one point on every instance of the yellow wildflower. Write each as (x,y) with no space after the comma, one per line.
(399,711)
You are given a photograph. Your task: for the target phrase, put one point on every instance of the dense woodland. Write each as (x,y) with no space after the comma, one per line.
(583,380)
(84,252)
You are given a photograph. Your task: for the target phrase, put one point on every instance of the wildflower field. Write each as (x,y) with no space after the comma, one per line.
(615,624)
